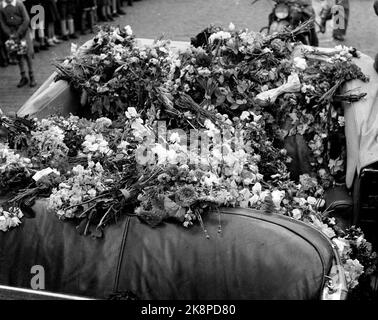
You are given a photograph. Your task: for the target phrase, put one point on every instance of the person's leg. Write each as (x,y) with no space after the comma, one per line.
(119,8)
(94,11)
(42,39)
(109,14)
(24,80)
(114,8)
(3,55)
(91,16)
(84,20)
(50,34)
(102,12)
(29,62)
(71,27)
(72,7)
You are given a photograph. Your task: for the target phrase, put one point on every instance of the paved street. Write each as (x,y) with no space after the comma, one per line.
(181,19)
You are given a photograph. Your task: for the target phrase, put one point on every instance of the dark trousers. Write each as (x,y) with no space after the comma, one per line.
(3,53)
(21,65)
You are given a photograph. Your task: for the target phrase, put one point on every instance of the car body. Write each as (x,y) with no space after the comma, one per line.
(255,256)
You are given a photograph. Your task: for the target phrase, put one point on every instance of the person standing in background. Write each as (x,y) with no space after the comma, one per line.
(51,17)
(86,15)
(329,11)
(3,53)
(14,21)
(67,11)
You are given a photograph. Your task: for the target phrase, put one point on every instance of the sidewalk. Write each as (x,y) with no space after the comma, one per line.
(182,19)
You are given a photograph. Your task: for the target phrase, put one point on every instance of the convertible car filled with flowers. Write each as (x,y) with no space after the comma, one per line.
(202,173)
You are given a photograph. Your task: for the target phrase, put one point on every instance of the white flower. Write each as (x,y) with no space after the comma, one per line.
(128,30)
(231,26)
(3,224)
(341,121)
(277,197)
(245,115)
(92,193)
(256,189)
(311,200)
(297,214)
(353,270)
(264,194)
(123,146)
(175,137)
(210,179)
(254,199)
(161,152)
(104,122)
(14,222)
(131,113)
(220,35)
(300,63)
(341,244)
(73,48)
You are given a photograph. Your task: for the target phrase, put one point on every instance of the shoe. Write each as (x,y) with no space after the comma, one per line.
(23,82)
(110,18)
(51,42)
(56,40)
(65,37)
(338,37)
(73,36)
(44,47)
(115,15)
(103,19)
(4,64)
(36,46)
(32,83)
(121,12)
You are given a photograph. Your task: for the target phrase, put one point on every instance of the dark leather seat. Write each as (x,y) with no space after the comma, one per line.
(257,256)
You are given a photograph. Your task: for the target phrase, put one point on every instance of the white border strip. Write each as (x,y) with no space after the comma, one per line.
(41,293)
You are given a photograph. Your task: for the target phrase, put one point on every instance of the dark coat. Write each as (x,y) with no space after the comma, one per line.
(14,21)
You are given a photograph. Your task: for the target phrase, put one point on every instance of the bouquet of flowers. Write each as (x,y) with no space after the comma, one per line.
(16,47)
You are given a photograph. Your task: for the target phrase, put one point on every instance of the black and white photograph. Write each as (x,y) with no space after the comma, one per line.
(187,156)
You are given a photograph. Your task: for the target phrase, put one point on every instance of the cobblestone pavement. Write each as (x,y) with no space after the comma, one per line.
(181,19)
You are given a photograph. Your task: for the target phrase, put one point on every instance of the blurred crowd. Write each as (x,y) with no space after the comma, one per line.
(63,20)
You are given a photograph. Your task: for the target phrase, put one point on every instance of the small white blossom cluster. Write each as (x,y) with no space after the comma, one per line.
(96,144)
(84,184)
(10,160)
(342,55)
(140,131)
(10,218)
(48,139)
(220,35)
